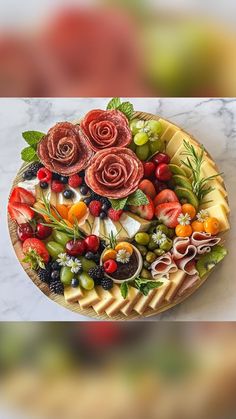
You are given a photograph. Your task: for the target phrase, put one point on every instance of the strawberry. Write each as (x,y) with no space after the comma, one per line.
(22,195)
(168,213)
(36,253)
(148,188)
(57,186)
(21,213)
(95,208)
(167,195)
(144,211)
(114,215)
(75,181)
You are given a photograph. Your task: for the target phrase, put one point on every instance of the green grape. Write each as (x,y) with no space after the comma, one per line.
(66,275)
(87,264)
(141,138)
(133,126)
(86,281)
(156,146)
(155,127)
(54,249)
(60,237)
(142,151)
(132,146)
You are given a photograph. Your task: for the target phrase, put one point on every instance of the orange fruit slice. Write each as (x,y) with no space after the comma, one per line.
(77,211)
(189,209)
(183,231)
(62,210)
(109,254)
(124,246)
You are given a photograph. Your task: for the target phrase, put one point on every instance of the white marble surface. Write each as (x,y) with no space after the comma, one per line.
(212,121)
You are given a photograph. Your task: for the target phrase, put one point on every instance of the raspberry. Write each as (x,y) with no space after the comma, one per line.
(44,175)
(95,208)
(114,215)
(57,186)
(75,181)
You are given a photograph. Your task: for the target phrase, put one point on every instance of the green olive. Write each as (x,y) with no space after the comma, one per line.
(159,252)
(150,257)
(163,229)
(146,264)
(143,250)
(86,281)
(166,245)
(142,238)
(66,275)
(145,274)
(152,245)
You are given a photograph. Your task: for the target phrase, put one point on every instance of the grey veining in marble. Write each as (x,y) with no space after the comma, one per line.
(211,121)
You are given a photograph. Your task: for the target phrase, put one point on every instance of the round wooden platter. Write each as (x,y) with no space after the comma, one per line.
(75,307)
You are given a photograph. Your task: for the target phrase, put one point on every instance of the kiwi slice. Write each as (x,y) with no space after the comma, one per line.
(186,195)
(182,181)
(176,170)
(208,261)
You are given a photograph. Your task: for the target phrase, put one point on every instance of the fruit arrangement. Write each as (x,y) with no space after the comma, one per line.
(121,213)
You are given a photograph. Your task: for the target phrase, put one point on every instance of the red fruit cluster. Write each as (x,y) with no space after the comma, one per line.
(80,247)
(114,215)
(157,170)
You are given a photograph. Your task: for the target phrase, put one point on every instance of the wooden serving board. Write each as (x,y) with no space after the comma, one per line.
(89,312)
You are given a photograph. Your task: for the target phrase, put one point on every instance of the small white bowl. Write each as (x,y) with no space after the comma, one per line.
(140,265)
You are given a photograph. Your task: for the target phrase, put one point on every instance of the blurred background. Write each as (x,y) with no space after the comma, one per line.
(110,371)
(117,48)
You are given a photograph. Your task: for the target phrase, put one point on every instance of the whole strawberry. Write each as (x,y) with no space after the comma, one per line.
(36,253)
(114,215)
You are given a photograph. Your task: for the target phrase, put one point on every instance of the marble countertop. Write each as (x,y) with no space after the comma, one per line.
(211,121)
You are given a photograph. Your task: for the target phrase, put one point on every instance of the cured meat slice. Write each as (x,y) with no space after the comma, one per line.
(184,254)
(114,173)
(189,282)
(64,150)
(204,241)
(105,129)
(163,266)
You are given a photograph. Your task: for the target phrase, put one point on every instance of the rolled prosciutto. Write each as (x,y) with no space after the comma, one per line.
(204,241)
(184,255)
(163,266)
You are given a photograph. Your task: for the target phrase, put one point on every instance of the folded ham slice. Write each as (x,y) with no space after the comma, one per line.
(204,241)
(184,254)
(163,266)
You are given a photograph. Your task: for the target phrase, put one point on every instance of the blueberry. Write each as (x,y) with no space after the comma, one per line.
(103,215)
(89,256)
(74,282)
(82,173)
(96,257)
(56,266)
(68,194)
(84,190)
(87,201)
(105,206)
(55,275)
(56,176)
(44,185)
(28,175)
(64,179)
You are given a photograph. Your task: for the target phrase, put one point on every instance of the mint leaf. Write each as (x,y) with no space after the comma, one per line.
(33,137)
(114,103)
(124,288)
(29,154)
(137,198)
(127,109)
(118,204)
(145,286)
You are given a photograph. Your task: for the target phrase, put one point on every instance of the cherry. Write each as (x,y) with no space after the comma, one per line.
(92,243)
(25,231)
(161,158)
(163,172)
(43,232)
(76,247)
(160,186)
(149,169)
(110,266)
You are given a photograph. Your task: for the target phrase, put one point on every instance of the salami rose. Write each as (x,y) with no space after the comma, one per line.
(105,129)
(114,173)
(63,150)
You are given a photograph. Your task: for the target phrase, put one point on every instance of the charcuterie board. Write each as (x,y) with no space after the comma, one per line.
(126,213)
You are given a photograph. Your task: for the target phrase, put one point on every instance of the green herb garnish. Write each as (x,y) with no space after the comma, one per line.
(136,198)
(125,107)
(144,285)
(29,154)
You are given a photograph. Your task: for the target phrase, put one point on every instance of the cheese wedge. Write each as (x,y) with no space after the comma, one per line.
(109,227)
(164,124)
(208,170)
(219,212)
(63,201)
(218,185)
(169,132)
(178,157)
(132,298)
(31,186)
(144,224)
(176,280)
(121,232)
(143,302)
(177,141)
(96,226)
(88,225)
(72,294)
(216,198)
(106,299)
(119,302)
(89,298)
(159,295)
(132,223)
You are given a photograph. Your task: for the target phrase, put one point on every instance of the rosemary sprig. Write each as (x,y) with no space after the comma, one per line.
(112,239)
(58,223)
(197,159)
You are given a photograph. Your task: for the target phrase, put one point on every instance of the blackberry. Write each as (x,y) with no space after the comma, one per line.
(55,266)
(28,175)
(107,283)
(96,273)
(57,287)
(94,196)
(45,274)
(34,168)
